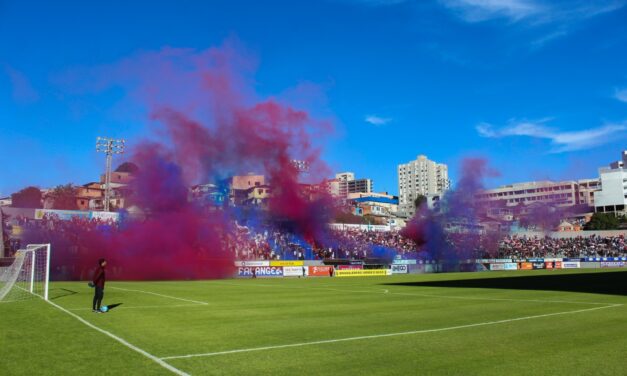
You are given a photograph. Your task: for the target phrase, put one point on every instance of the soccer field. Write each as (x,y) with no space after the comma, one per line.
(526,322)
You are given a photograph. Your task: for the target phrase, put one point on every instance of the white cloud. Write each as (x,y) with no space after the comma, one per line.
(482,10)
(377,120)
(561,141)
(534,11)
(621,95)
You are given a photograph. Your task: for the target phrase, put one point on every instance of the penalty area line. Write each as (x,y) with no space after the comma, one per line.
(148,355)
(161,295)
(397,334)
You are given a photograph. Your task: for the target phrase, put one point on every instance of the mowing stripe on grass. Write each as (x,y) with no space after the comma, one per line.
(124,342)
(384,335)
(162,295)
(388,292)
(384,291)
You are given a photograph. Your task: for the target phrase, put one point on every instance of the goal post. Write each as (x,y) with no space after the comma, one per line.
(27,276)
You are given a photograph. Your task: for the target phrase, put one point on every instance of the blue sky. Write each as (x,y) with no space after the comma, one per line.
(538,88)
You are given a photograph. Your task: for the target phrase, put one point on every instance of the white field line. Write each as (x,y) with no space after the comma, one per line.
(161,295)
(124,342)
(388,292)
(146,306)
(384,335)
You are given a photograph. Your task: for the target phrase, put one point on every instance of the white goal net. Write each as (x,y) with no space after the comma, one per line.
(27,275)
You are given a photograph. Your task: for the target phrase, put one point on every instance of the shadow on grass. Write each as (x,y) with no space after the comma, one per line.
(57,293)
(612,283)
(109,307)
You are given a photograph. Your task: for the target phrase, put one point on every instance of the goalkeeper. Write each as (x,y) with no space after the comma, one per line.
(98,283)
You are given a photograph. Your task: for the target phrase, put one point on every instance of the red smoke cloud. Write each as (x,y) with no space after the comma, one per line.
(212,126)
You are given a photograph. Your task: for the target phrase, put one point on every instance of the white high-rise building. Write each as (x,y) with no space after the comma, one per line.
(420,177)
(612,197)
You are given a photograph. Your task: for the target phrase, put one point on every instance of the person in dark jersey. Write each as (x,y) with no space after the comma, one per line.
(99,284)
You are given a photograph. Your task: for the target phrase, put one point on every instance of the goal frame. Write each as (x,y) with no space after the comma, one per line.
(33,248)
(29,255)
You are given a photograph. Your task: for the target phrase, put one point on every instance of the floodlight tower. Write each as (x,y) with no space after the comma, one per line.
(109,146)
(300,165)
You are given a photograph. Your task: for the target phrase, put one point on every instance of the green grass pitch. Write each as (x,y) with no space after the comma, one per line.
(558,322)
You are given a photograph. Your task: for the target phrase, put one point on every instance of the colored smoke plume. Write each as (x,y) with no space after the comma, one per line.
(210,126)
(452,233)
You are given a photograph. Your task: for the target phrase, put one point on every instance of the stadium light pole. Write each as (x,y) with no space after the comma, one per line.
(300,165)
(109,146)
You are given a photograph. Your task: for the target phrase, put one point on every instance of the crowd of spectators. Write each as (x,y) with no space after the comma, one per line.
(336,244)
(271,244)
(521,247)
(52,228)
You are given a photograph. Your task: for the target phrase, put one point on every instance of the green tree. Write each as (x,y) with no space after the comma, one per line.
(64,197)
(29,197)
(603,221)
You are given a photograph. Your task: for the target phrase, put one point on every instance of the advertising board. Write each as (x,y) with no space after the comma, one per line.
(497,267)
(493,261)
(404,262)
(320,271)
(65,215)
(252,263)
(349,267)
(571,264)
(399,269)
(598,259)
(548,265)
(612,264)
(538,265)
(104,216)
(260,271)
(361,273)
(510,266)
(295,271)
(287,263)
(526,266)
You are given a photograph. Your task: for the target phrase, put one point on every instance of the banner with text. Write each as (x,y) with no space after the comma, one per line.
(287,263)
(252,263)
(260,271)
(571,264)
(295,271)
(612,264)
(350,267)
(404,262)
(526,266)
(320,271)
(361,273)
(400,269)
